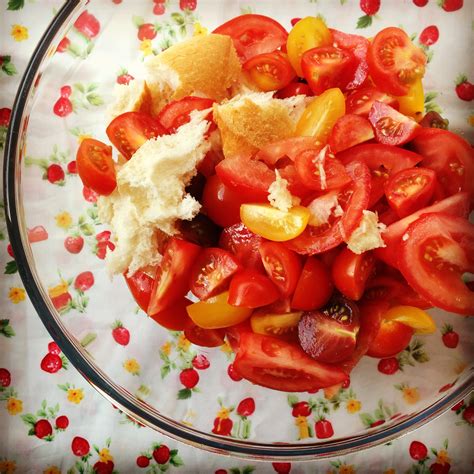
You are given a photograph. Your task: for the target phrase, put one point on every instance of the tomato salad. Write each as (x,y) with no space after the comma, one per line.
(298,303)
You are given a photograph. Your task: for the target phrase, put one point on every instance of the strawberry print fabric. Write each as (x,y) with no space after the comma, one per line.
(51,420)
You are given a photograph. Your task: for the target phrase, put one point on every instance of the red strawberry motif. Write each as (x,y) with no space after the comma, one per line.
(62,107)
(55,174)
(74,244)
(301,409)
(72,167)
(420,3)
(293,21)
(347,382)
(162,454)
(323,429)
(62,301)
(66,91)
(159,8)
(450,337)
(370,7)
(458,406)
(84,281)
(438,468)
(103,236)
(468,414)
(143,461)
(89,194)
(233,374)
(188,4)
(464,89)
(418,451)
(222,426)
(5,115)
(388,366)
(51,363)
(80,446)
(124,78)
(146,31)
(282,467)
(246,407)
(5,378)
(43,428)
(53,348)
(120,334)
(10,250)
(451,5)
(201,362)
(101,467)
(220,471)
(429,35)
(88,25)
(63,45)
(189,378)
(37,234)
(62,422)
(377,423)
(446,387)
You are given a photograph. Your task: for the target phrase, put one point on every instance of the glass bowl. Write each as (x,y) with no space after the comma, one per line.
(50,216)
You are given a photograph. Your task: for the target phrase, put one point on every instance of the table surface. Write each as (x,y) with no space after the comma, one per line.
(91,417)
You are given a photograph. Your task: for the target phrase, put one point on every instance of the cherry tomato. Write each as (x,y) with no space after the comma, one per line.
(178,112)
(253,34)
(129,131)
(410,189)
(392,337)
(350,272)
(437,251)
(275,324)
(217,312)
(350,130)
(273,224)
(269,71)
(251,289)
(319,169)
(172,277)
(326,67)
(207,166)
(288,147)
(282,266)
(174,318)
(96,167)
(274,363)
(413,102)
(395,63)
(293,89)
(416,318)
(314,286)
(321,114)
(391,127)
(204,337)
(308,33)
(434,120)
(360,101)
(140,285)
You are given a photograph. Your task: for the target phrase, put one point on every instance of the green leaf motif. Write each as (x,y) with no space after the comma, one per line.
(178,18)
(138,21)
(364,22)
(29,418)
(184,394)
(6,329)
(176,461)
(95,99)
(15,4)
(11,267)
(292,400)
(9,68)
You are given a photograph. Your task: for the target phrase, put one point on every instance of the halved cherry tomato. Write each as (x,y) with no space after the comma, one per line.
(204,337)
(391,127)
(253,34)
(217,312)
(274,363)
(178,112)
(129,131)
(295,186)
(395,63)
(174,318)
(211,271)
(269,71)
(273,224)
(360,101)
(383,161)
(456,205)
(275,324)
(172,277)
(352,199)
(308,33)
(293,89)
(350,130)
(321,114)
(450,156)
(413,102)
(282,266)
(96,167)
(288,147)
(314,287)
(434,120)
(140,285)
(326,67)
(319,169)
(207,166)
(221,203)
(350,272)
(437,251)
(392,337)
(416,318)
(410,189)
(251,289)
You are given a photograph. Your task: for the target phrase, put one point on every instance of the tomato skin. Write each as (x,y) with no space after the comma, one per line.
(277,325)
(96,167)
(174,318)
(360,101)
(350,272)
(282,266)
(251,289)
(293,89)
(391,338)
(314,286)
(140,285)
(413,103)
(438,250)
(286,148)
(172,277)
(350,130)
(253,34)
(410,190)
(203,337)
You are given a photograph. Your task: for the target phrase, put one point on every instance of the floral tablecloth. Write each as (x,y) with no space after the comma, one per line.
(55,422)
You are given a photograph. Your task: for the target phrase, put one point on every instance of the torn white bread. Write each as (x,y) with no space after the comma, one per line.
(132,97)
(368,235)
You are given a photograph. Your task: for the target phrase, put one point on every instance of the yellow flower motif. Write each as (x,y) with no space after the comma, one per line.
(353,406)
(14,406)
(7,467)
(345,469)
(199,29)
(16,295)
(470,120)
(389,471)
(82,137)
(64,220)
(19,32)
(132,366)
(411,395)
(223,413)
(443,457)
(58,290)
(183,343)
(166,348)
(52,470)
(105,456)
(146,47)
(75,395)
(302,423)
(226,349)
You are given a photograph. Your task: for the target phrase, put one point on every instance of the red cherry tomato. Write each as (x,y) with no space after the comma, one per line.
(360,101)
(286,148)
(350,130)
(174,318)
(203,337)
(251,289)
(391,338)
(293,89)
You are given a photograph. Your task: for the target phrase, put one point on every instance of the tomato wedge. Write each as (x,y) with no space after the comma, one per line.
(172,277)
(174,318)
(391,338)
(253,34)
(360,101)
(140,285)
(288,147)
(395,63)
(204,337)
(129,131)
(275,324)
(251,289)
(279,365)
(437,251)
(96,167)
(413,103)
(350,130)
(292,89)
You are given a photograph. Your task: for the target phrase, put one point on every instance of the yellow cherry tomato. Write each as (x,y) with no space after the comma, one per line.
(216,312)
(412,316)
(308,33)
(413,104)
(321,114)
(270,324)
(273,224)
